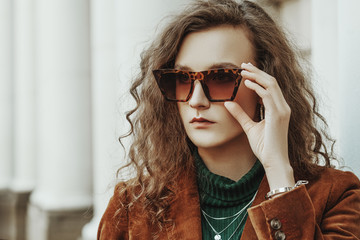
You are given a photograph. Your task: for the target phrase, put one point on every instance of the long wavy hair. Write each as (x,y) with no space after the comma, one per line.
(161,153)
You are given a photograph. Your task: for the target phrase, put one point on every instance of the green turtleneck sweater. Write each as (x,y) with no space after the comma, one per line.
(222,197)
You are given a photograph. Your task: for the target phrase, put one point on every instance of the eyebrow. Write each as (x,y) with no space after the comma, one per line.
(212,66)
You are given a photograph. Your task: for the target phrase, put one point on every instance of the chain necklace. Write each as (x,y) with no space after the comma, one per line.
(217,235)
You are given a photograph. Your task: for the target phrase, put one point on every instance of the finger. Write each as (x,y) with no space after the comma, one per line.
(265,80)
(269,83)
(256,77)
(278,109)
(264,94)
(261,77)
(256,87)
(249,67)
(252,68)
(240,115)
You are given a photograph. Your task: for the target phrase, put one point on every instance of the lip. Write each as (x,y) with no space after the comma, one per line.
(200,120)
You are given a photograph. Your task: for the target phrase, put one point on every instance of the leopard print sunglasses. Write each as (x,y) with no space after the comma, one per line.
(219,85)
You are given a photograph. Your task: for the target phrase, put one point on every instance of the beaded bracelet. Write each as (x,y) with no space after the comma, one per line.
(278,191)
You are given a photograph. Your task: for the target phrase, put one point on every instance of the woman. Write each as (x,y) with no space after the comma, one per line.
(225,144)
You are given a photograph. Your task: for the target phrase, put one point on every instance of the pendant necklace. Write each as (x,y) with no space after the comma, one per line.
(217,235)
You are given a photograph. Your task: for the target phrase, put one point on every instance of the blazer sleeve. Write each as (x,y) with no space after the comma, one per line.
(114,222)
(333,212)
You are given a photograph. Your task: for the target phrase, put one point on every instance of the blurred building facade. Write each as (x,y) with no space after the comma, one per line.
(65,67)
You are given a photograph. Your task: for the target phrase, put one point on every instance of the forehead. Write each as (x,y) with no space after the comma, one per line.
(214,47)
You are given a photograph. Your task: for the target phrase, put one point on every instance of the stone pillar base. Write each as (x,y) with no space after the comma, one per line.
(13,208)
(18,210)
(5,212)
(56,225)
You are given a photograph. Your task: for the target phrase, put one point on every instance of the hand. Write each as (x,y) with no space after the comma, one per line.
(268,138)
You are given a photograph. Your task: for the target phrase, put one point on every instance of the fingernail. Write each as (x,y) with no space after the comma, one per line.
(247,64)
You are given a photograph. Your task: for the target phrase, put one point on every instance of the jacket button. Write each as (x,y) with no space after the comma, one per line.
(275,224)
(279,235)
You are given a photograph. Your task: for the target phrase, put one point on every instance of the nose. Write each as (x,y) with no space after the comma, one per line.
(198,98)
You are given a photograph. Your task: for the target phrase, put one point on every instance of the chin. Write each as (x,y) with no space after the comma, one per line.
(211,141)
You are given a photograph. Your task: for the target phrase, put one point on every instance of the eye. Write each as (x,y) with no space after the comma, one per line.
(182,78)
(222,77)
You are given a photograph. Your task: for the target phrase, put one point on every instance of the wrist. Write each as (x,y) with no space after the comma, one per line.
(277,192)
(280,176)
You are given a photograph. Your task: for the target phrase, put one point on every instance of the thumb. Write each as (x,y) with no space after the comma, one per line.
(240,115)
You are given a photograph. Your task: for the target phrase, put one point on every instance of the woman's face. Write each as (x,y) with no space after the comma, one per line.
(218,47)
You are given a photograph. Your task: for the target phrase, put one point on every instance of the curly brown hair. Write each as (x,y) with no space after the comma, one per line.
(161,153)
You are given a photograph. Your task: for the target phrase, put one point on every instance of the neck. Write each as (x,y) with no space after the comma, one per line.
(232,159)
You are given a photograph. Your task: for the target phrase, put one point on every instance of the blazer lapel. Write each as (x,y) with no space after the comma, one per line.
(249,232)
(185,210)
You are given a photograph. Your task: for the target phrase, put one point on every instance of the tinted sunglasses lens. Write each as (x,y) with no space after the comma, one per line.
(175,85)
(221,84)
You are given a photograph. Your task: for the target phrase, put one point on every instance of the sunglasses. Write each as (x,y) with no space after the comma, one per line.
(219,85)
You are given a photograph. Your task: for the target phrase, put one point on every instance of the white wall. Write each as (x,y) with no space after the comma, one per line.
(328,33)
(335,51)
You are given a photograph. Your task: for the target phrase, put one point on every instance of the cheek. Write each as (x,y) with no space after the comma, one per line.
(182,110)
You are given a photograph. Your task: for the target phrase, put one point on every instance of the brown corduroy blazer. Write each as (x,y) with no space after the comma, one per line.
(326,208)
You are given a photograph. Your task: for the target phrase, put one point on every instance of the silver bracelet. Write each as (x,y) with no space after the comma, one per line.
(278,191)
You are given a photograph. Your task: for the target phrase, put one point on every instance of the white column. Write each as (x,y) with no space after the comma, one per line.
(349,82)
(119,31)
(6,115)
(105,85)
(24,93)
(23,180)
(64,176)
(324,57)
(6,93)
(63,98)
(335,52)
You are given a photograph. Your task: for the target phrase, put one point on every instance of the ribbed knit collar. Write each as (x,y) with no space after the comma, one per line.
(221,191)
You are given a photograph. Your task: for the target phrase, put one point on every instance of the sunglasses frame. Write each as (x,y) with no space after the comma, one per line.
(193,76)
